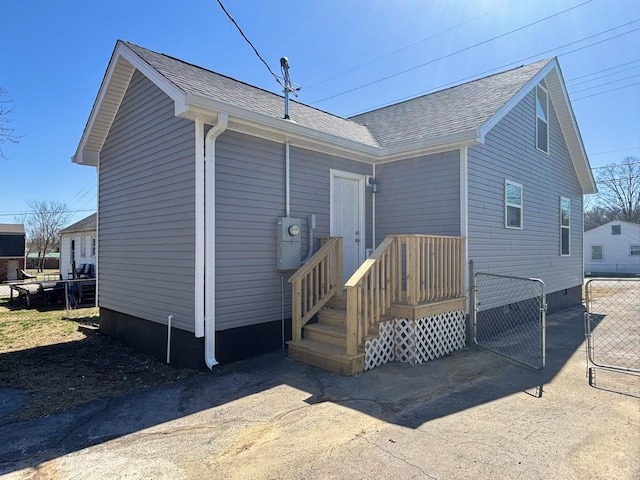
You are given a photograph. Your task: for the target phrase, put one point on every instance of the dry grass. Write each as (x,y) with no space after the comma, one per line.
(62,361)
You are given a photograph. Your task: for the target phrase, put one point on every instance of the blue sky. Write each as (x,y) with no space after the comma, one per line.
(54,55)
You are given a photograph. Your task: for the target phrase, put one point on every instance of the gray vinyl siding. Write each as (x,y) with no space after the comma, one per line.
(250,196)
(510,153)
(147,210)
(419,196)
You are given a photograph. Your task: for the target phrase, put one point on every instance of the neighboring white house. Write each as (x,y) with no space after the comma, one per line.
(612,249)
(79,242)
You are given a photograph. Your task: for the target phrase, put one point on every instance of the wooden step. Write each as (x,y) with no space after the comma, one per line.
(338,301)
(332,316)
(328,357)
(326,333)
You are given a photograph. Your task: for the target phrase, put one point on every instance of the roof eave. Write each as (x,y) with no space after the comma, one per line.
(207,108)
(124,62)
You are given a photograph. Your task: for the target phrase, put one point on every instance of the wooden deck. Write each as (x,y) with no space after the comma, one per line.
(407,276)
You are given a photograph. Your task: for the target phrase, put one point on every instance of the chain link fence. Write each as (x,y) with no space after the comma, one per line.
(509,317)
(45,292)
(612,324)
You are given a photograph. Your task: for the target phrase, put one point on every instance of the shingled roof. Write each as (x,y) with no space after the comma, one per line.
(86,224)
(12,228)
(192,79)
(456,109)
(447,119)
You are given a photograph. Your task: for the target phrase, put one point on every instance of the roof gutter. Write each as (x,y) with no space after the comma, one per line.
(273,124)
(206,238)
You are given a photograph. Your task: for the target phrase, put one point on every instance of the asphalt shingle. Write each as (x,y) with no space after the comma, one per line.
(456,109)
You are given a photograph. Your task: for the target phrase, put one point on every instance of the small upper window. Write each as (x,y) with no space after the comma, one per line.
(597,252)
(542,119)
(565,227)
(616,229)
(512,204)
(635,250)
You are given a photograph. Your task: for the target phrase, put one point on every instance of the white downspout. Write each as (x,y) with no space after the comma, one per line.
(373,213)
(210,240)
(199,212)
(464,215)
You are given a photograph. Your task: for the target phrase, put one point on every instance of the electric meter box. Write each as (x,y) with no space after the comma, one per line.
(288,241)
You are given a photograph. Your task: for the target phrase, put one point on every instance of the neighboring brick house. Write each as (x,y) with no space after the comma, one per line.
(12,250)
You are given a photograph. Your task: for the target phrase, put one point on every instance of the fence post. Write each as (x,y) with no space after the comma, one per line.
(471,307)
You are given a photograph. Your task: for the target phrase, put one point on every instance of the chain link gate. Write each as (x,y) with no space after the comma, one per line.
(612,324)
(509,317)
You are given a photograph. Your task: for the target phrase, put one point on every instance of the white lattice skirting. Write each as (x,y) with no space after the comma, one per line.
(416,341)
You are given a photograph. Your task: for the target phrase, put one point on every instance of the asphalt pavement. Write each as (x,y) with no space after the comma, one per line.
(472,414)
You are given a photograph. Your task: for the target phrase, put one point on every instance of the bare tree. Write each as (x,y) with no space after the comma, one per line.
(6,132)
(42,225)
(596,216)
(619,187)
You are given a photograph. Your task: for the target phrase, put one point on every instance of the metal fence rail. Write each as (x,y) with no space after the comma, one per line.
(509,316)
(49,294)
(612,324)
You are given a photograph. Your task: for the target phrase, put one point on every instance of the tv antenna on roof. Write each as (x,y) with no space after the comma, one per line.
(289,86)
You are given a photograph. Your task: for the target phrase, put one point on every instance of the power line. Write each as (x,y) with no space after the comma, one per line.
(449,54)
(511,64)
(249,42)
(573,83)
(32,213)
(605,84)
(404,48)
(602,93)
(613,151)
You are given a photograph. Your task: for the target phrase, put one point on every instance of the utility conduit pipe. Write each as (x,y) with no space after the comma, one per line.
(169,318)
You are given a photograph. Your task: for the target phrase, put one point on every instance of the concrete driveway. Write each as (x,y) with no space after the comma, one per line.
(470,415)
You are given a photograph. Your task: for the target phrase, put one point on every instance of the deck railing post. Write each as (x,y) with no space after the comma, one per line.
(296,311)
(338,266)
(353,313)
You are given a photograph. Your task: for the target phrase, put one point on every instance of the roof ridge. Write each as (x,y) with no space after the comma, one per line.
(544,61)
(239,81)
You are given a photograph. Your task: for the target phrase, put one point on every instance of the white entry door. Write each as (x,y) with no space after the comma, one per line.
(347,217)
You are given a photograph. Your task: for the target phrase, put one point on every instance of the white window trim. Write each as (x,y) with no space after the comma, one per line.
(591,252)
(507,204)
(568,227)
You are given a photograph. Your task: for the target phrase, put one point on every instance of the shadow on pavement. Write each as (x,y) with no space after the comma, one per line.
(396,393)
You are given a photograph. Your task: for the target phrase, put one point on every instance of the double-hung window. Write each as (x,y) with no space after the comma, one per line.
(634,250)
(565,225)
(597,252)
(542,119)
(512,204)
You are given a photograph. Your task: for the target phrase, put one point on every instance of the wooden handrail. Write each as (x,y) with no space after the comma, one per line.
(315,283)
(410,269)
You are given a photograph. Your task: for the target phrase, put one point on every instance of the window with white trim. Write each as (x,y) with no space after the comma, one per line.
(542,119)
(597,252)
(93,247)
(565,226)
(616,229)
(83,247)
(634,250)
(512,204)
